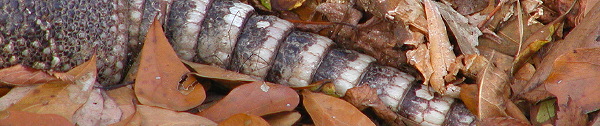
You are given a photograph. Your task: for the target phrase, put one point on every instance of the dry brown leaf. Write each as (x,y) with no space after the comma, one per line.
(159,78)
(466,35)
(19,75)
(493,92)
(469,94)
(4,90)
(575,79)
(571,115)
(326,110)
(420,58)
(439,47)
(584,35)
(90,114)
(153,116)
(256,98)
(222,76)
(61,98)
(536,41)
(407,11)
(283,118)
(20,118)
(244,120)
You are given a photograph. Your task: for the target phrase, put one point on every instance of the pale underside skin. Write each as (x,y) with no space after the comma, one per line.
(301,75)
(216,48)
(187,37)
(351,75)
(259,63)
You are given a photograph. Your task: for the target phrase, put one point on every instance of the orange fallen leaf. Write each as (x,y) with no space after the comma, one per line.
(20,118)
(283,118)
(19,75)
(153,116)
(62,98)
(124,97)
(256,98)
(326,110)
(244,120)
(159,78)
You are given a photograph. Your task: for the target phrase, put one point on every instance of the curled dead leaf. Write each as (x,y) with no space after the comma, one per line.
(439,47)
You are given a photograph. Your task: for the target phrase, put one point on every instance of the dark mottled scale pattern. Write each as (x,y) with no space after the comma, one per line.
(220,31)
(58,35)
(298,58)
(255,51)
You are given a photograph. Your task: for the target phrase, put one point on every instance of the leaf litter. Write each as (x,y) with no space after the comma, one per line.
(498,54)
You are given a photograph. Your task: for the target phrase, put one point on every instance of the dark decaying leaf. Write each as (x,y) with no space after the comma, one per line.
(256,98)
(410,12)
(575,79)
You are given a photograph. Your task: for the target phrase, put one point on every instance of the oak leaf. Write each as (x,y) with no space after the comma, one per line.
(159,79)
(256,98)
(244,120)
(327,110)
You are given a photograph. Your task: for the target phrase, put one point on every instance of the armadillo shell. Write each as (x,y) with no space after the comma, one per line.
(255,49)
(220,30)
(344,68)
(298,58)
(59,35)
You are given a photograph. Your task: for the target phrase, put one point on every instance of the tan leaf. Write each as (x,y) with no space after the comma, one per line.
(466,35)
(493,92)
(15,95)
(20,118)
(19,75)
(61,98)
(326,110)
(243,120)
(256,98)
(420,58)
(160,73)
(222,76)
(153,116)
(571,115)
(575,79)
(283,118)
(440,49)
